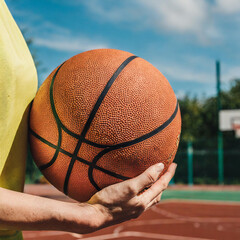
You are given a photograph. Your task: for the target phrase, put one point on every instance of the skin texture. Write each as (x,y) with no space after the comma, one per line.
(114,204)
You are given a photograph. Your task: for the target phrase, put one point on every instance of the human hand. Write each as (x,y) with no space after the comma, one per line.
(114,204)
(126,200)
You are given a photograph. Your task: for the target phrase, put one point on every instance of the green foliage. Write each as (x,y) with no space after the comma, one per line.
(200,117)
(200,125)
(191,111)
(231,99)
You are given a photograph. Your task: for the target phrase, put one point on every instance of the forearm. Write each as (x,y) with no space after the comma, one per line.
(21,211)
(113,204)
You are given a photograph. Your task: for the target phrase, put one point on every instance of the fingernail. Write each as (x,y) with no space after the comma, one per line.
(159,167)
(175,165)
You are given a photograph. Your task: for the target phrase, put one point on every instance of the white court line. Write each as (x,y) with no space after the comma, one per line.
(76,235)
(41,234)
(195,219)
(142,235)
(146,222)
(49,234)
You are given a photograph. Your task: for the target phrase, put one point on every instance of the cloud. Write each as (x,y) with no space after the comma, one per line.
(50,27)
(189,69)
(188,17)
(197,69)
(23,13)
(230,72)
(62,39)
(119,11)
(54,36)
(50,35)
(178,17)
(228,7)
(185,73)
(69,43)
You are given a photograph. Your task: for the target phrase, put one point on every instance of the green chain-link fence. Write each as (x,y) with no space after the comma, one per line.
(205,162)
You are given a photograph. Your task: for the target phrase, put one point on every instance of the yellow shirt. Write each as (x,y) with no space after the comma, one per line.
(18,85)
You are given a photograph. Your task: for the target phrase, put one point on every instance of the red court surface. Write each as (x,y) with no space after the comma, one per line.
(170,220)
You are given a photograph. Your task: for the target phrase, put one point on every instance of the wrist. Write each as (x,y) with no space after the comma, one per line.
(82,217)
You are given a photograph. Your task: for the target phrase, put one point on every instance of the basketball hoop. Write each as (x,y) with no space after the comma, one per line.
(229,120)
(236,128)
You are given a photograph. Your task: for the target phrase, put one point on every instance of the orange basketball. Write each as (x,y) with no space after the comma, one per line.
(101,117)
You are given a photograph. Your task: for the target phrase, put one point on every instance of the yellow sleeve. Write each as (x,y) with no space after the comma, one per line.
(18,85)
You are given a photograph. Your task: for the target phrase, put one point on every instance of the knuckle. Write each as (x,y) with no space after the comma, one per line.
(158,199)
(164,185)
(150,177)
(130,190)
(155,202)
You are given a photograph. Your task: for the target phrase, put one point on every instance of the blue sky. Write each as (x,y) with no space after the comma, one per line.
(182,38)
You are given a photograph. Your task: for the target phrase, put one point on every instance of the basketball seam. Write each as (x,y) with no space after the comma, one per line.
(90,119)
(130,143)
(113,147)
(81,137)
(58,125)
(113,174)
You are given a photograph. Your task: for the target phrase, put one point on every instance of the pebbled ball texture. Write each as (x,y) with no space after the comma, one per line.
(80,162)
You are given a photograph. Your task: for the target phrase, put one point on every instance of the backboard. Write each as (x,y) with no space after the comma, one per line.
(229,120)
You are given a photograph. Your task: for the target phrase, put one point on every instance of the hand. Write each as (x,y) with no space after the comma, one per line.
(123,201)
(114,204)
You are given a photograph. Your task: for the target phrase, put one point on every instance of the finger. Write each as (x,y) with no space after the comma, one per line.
(155,201)
(159,186)
(124,191)
(132,187)
(146,179)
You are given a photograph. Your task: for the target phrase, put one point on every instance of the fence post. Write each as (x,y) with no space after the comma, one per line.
(220,136)
(190,162)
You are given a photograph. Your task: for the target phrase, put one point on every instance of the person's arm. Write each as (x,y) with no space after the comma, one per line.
(114,204)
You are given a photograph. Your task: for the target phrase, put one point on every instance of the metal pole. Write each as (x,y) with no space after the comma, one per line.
(190,163)
(220,136)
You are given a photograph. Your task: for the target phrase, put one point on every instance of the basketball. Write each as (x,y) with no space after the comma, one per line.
(102,117)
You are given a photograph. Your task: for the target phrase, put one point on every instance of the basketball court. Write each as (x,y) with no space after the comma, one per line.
(172,219)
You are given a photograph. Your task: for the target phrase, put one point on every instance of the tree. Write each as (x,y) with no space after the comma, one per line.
(191,110)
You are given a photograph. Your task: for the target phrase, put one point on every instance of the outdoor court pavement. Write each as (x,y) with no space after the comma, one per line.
(172,219)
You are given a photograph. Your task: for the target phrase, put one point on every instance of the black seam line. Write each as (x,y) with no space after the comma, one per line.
(78,136)
(58,124)
(113,174)
(104,93)
(130,143)
(70,166)
(92,114)
(90,119)
(114,147)
(148,135)
(95,144)
(56,152)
